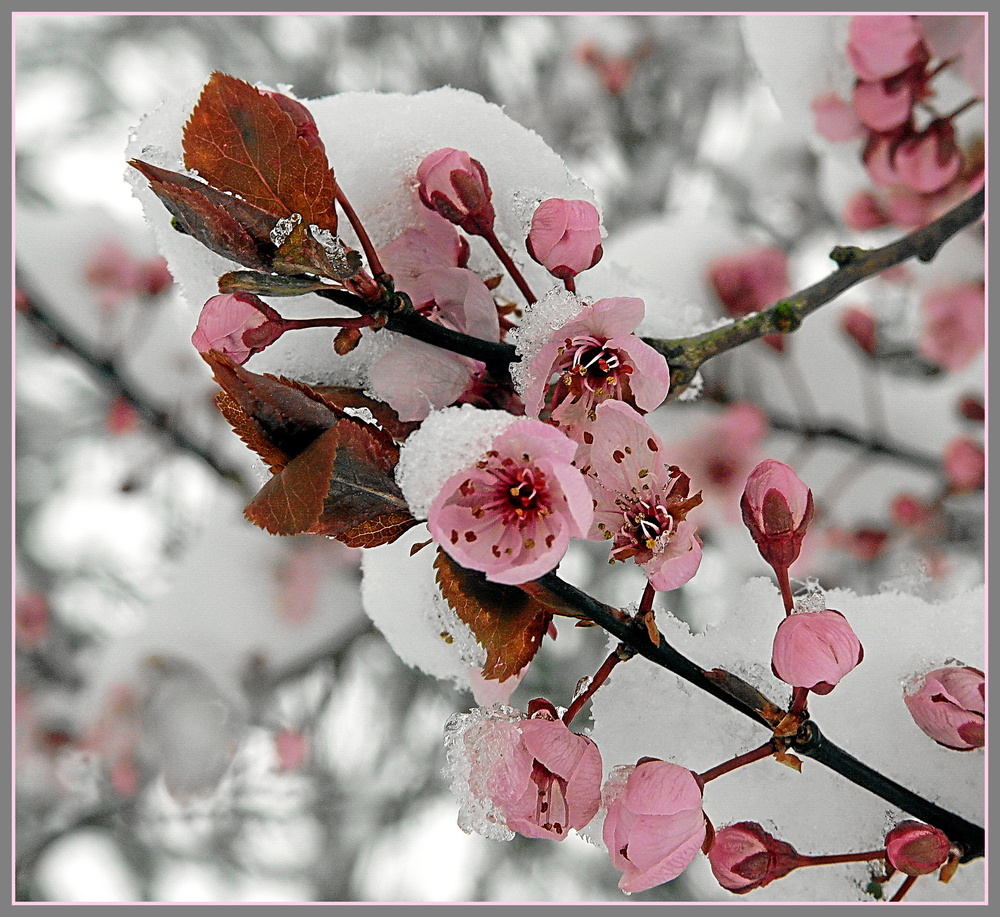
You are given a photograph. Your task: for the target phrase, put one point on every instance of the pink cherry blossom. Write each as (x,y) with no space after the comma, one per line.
(884,104)
(864,211)
(565,237)
(859,325)
(879,157)
(962,38)
(640,501)
(777,509)
(744,857)
(512,514)
(835,119)
(917,849)
(592,358)
(549,779)
(238,325)
(971,408)
(292,749)
(815,650)
(930,160)
(655,825)
(949,705)
(31,619)
(118,275)
(882,46)
(964,465)
(750,281)
(455,185)
(721,454)
(122,417)
(954,328)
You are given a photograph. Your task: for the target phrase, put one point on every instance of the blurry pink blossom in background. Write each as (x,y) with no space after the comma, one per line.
(954,327)
(964,464)
(750,281)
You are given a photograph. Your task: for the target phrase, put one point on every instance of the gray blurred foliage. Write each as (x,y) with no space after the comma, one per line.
(639,148)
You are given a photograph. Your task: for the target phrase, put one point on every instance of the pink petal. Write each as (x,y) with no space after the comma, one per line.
(835,119)
(882,46)
(414,378)
(678,562)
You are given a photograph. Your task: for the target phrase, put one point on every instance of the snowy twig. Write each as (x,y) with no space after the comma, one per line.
(807,741)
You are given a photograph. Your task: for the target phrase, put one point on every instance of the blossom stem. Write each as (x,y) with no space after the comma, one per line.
(366,243)
(829,859)
(965,106)
(600,676)
(765,751)
(363,321)
(800,697)
(491,237)
(570,284)
(784,584)
(904,888)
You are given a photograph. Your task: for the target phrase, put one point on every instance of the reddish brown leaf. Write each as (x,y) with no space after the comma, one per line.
(240,140)
(225,224)
(341,485)
(341,397)
(276,417)
(506,621)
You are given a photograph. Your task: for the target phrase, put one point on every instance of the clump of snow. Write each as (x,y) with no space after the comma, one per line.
(474,742)
(538,322)
(446,442)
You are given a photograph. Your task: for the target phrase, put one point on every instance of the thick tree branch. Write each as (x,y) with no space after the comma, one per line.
(745,699)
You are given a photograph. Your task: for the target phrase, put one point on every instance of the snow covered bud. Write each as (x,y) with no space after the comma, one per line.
(455,185)
(815,650)
(565,237)
(237,325)
(655,824)
(949,705)
(777,508)
(744,857)
(512,511)
(917,849)
(525,774)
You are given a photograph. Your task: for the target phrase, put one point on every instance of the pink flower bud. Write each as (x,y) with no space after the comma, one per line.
(971,408)
(859,325)
(917,849)
(908,511)
(655,824)
(949,705)
(835,119)
(815,650)
(238,325)
(964,465)
(863,211)
(750,281)
(777,508)
(930,160)
(884,104)
(455,185)
(744,857)
(882,46)
(565,237)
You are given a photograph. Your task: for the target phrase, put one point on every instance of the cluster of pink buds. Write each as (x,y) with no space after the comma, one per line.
(918,161)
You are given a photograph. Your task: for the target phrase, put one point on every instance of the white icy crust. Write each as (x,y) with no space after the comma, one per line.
(816,811)
(446,442)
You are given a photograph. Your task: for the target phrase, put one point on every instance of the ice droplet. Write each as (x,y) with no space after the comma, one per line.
(283,229)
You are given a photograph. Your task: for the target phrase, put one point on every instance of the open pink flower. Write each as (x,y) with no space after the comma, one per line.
(964,465)
(592,358)
(549,779)
(750,281)
(815,650)
(655,825)
(512,514)
(777,509)
(917,849)
(455,185)
(640,502)
(954,329)
(949,705)
(565,237)
(238,325)
(744,857)
(882,46)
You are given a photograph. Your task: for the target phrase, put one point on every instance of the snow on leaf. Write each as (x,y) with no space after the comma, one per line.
(242,141)
(505,620)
